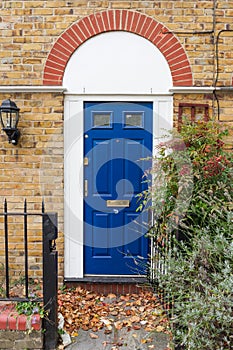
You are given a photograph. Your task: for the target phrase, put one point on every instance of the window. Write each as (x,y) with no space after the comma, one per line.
(133,119)
(193,112)
(101,119)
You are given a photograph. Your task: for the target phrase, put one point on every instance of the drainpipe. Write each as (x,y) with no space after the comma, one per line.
(223,88)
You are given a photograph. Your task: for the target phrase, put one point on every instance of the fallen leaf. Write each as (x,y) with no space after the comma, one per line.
(143,341)
(124,297)
(111,296)
(90,296)
(136,327)
(69,320)
(114,313)
(127,323)
(93,336)
(119,343)
(106,321)
(118,325)
(74,334)
(134,319)
(160,329)
(149,340)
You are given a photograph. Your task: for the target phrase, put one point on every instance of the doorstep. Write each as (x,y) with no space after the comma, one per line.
(111,284)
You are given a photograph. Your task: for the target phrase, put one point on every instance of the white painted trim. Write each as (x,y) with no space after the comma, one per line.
(73,188)
(116,97)
(225,88)
(73,172)
(42,88)
(39,89)
(22,88)
(192,89)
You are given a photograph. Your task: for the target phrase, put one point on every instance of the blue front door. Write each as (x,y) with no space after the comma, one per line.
(118,136)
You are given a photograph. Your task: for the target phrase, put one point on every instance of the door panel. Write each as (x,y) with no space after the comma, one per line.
(103,148)
(117,136)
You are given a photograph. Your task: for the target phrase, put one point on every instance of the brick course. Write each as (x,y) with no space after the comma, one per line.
(15,322)
(106,21)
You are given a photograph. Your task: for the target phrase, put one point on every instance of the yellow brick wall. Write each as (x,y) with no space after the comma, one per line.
(219,109)
(226,115)
(33,170)
(28,30)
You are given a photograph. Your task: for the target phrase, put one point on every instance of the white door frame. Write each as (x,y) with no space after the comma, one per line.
(73,164)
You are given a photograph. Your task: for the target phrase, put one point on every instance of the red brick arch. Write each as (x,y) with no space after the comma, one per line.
(123,20)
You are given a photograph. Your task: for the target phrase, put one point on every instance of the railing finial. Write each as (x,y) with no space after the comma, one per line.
(25,205)
(5,205)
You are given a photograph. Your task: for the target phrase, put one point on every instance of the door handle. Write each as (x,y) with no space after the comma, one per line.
(85,188)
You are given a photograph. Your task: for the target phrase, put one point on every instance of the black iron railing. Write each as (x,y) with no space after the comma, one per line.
(49,258)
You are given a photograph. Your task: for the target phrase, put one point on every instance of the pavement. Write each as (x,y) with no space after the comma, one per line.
(122,339)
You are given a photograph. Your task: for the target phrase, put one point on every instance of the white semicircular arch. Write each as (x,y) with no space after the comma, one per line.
(118,63)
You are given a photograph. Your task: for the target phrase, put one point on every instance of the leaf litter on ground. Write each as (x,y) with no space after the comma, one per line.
(91,311)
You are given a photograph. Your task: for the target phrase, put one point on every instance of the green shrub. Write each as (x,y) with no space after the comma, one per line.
(200,280)
(191,197)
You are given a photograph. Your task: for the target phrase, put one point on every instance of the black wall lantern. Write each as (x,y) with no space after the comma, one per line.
(9,116)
